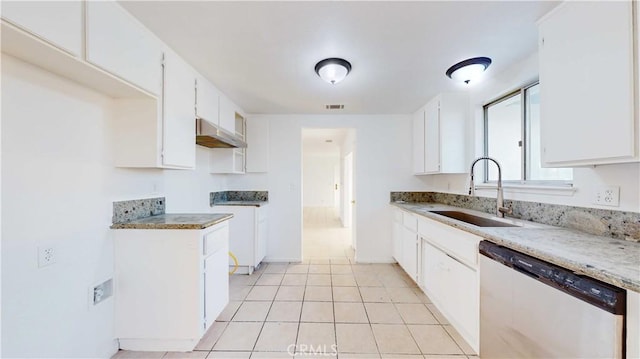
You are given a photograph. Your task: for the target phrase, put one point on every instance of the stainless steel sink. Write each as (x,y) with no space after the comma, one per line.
(473,219)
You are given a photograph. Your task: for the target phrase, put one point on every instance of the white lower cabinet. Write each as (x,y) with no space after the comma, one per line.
(396,246)
(444,262)
(170,285)
(410,252)
(247,236)
(454,288)
(405,242)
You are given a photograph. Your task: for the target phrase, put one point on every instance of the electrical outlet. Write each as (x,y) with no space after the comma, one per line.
(102,291)
(46,256)
(608,196)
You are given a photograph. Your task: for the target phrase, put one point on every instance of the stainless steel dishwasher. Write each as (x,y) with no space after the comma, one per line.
(533,309)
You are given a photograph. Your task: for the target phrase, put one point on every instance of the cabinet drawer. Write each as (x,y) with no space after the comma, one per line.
(410,221)
(215,240)
(458,243)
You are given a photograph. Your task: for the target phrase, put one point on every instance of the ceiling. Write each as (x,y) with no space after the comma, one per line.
(314,140)
(262,54)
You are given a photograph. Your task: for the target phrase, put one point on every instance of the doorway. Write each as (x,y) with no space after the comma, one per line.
(327,194)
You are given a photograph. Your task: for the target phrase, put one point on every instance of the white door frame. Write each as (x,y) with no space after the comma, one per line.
(348,202)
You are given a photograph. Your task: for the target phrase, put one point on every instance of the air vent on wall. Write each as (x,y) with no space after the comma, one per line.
(334,107)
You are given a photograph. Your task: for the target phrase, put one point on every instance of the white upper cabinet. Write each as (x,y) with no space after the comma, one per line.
(439,135)
(57,22)
(119,44)
(207,100)
(257,145)
(179,117)
(432,160)
(587,84)
(418,141)
(159,133)
(228,111)
(230,160)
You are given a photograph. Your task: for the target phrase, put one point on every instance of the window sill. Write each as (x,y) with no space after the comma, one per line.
(553,190)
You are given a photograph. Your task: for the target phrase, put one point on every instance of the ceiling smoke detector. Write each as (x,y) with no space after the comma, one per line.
(334,107)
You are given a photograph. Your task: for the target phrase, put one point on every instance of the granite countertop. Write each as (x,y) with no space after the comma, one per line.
(610,260)
(241,203)
(175,221)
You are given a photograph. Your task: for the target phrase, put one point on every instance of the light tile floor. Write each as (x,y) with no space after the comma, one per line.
(328,307)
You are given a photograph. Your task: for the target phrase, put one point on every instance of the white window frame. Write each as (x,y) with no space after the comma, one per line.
(523,183)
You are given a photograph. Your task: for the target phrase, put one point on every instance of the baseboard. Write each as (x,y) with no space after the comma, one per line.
(281,260)
(159,345)
(375,260)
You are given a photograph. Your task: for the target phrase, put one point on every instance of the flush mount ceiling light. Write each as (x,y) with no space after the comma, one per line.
(469,70)
(333,70)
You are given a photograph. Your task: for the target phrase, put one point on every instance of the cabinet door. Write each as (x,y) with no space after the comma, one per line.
(57,22)
(227,114)
(418,142)
(119,44)
(410,252)
(216,285)
(434,273)
(261,236)
(179,128)
(586,84)
(397,241)
(463,293)
(432,137)
(207,100)
(257,152)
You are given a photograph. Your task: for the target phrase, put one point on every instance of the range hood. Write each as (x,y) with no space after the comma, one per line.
(212,136)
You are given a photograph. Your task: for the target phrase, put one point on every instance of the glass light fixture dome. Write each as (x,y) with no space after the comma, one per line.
(469,70)
(333,70)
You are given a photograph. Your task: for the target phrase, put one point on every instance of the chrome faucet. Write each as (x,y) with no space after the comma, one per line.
(500,208)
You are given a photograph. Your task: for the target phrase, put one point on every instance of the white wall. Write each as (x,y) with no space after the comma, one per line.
(586,180)
(383,165)
(58,186)
(318,179)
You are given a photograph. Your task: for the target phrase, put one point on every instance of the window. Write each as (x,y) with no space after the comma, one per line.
(512,137)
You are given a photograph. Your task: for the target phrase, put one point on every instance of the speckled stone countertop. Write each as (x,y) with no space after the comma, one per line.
(241,203)
(175,221)
(239,198)
(610,260)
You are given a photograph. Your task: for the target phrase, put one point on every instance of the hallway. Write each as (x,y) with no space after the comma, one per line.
(324,237)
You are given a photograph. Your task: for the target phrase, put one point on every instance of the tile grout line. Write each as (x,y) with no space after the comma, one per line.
(333,306)
(375,340)
(304,294)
